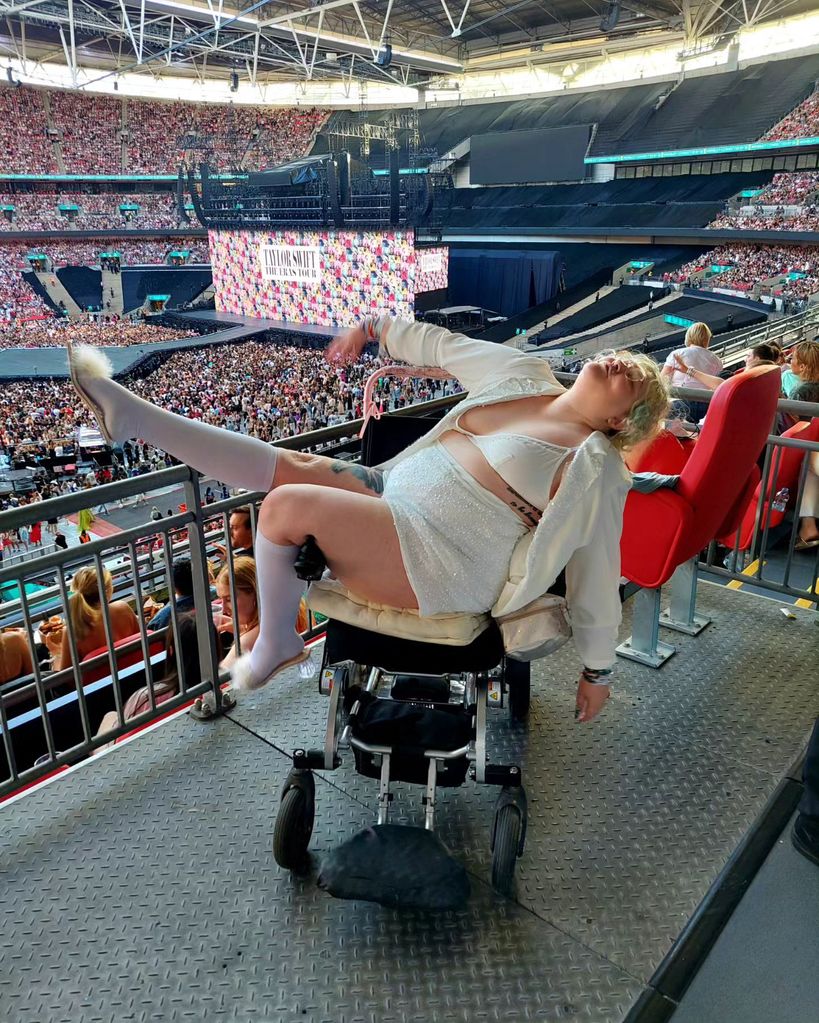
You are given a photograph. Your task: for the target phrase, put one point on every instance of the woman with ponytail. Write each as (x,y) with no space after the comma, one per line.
(85,616)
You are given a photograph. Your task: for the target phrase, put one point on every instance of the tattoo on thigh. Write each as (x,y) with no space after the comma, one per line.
(373,479)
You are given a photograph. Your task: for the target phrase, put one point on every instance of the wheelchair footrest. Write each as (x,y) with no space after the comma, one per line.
(500,774)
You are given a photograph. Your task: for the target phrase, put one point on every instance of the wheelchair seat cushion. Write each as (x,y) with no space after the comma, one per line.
(349,643)
(328,597)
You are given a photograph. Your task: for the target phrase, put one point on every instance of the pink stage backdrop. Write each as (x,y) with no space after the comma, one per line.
(431,269)
(327,278)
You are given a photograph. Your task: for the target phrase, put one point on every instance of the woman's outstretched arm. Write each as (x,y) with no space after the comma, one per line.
(473,363)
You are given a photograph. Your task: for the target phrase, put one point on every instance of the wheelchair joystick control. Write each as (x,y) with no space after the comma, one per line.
(310,562)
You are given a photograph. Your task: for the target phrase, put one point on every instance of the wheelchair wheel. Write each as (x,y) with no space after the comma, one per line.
(516,675)
(294,828)
(507,833)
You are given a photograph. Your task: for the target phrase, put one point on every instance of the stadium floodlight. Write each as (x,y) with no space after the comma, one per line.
(609,20)
(384,56)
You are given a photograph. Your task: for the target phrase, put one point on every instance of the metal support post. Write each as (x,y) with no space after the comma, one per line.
(215,702)
(384,790)
(643,645)
(432,777)
(682,615)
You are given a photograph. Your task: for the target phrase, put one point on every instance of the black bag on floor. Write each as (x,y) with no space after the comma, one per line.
(396,866)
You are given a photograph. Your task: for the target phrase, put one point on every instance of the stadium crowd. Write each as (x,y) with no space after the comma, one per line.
(772,219)
(801,122)
(24,138)
(39,211)
(251,136)
(264,390)
(786,204)
(18,300)
(750,264)
(51,333)
(104,135)
(789,190)
(82,252)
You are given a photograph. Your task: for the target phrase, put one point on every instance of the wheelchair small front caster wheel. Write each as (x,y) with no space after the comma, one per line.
(294,824)
(506,836)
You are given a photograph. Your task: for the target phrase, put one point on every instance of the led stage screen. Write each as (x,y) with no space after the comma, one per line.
(431,269)
(326,278)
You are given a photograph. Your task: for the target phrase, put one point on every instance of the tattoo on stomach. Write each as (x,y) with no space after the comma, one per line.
(526,511)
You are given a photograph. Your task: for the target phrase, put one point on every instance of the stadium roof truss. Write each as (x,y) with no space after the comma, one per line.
(430,40)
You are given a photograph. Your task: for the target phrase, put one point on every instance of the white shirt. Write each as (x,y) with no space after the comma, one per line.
(697,358)
(580,528)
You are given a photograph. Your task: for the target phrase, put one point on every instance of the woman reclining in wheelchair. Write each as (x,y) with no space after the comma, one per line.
(520,460)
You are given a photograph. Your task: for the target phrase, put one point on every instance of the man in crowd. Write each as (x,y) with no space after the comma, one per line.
(241,537)
(183,594)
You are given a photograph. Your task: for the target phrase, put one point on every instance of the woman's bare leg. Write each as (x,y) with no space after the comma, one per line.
(355,532)
(321,471)
(237,459)
(357,535)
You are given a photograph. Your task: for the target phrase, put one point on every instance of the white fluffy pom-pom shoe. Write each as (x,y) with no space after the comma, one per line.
(242,677)
(87,364)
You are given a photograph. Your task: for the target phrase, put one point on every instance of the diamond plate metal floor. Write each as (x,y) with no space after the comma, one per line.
(142,887)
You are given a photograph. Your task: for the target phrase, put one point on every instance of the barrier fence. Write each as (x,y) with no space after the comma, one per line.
(787,332)
(52,716)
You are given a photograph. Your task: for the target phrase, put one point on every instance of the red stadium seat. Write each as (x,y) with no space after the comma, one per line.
(668,528)
(785,470)
(124,658)
(666,454)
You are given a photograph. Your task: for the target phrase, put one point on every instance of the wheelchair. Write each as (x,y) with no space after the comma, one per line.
(410,709)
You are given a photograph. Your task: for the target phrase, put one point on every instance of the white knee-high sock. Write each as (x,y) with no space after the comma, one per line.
(233,458)
(279,592)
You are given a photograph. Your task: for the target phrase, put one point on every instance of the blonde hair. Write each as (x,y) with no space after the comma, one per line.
(646,415)
(699,335)
(84,606)
(806,353)
(244,578)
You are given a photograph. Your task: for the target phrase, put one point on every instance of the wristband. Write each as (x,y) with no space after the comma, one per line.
(371,326)
(597,676)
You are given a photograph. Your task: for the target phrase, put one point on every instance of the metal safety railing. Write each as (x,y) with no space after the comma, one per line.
(765,554)
(787,332)
(61,702)
(52,714)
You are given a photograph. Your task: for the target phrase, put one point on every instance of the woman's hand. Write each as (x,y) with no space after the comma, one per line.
(682,365)
(347,347)
(223,622)
(590,700)
(53,638)
(150,608)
